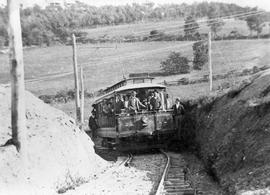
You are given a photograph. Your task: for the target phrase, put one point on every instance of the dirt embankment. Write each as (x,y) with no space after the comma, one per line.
(232,136)
(59,155)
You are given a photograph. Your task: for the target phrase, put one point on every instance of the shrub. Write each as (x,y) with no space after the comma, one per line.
(191,28)
(200,53)
(63,96)
(175,63)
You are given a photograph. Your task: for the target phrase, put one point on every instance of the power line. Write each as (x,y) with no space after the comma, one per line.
(240,15)
(61,74)
(68,73)
(204,24)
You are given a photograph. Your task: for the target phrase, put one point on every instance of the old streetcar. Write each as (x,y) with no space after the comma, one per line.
(132,114)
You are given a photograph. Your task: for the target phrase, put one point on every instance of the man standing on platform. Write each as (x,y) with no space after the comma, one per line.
(178,112)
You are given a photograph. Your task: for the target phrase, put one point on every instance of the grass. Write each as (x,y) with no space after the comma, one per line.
(52,67)
(170,27)
(49,70)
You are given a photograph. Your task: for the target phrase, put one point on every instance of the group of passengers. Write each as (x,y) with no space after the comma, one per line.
(132,103)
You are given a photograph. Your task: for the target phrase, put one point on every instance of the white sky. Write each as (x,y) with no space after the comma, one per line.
(264,4)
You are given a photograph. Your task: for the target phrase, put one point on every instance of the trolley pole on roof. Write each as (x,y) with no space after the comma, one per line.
(17,77)
(210,62)
(76,79)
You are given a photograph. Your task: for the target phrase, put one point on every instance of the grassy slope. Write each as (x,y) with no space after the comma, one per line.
(106,65)
(170,27)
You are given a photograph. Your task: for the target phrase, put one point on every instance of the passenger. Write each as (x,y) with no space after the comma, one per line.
(134,103)
(93,126)
(105,107)
(178,112)
(126,101)
(110,115)
(154,101)
(162,99)
(94,111)
(110,109)
(168,104)
(119,104)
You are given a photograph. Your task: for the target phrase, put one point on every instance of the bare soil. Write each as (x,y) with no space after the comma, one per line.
(199,177)
(140,178)
(59,155)
(232,136)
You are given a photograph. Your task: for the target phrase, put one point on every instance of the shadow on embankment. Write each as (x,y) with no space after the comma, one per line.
(231,134)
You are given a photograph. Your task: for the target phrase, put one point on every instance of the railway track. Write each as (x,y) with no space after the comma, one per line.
(128,160)
(173,180)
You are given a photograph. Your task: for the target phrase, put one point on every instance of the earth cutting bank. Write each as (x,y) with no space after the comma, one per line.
(231,134)
(59,155)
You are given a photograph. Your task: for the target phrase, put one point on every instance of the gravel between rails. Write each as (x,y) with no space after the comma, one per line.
(141,177)
(154,164)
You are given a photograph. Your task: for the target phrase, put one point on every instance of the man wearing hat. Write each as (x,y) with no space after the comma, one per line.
(134,103)
(178,111)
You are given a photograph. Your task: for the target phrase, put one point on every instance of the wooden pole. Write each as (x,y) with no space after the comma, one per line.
(17,77)
(82,97)
(76,79)
(210,62)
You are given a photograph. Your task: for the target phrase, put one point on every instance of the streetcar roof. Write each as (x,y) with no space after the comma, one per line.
(139,86)
(130,87)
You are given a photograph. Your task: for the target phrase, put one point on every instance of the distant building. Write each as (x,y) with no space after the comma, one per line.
(69,3)
(56,4)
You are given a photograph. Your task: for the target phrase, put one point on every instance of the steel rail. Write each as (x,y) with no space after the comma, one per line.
(165,171)
(128,160)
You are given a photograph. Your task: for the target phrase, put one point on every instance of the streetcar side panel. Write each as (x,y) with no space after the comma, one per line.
(164,122)
(139,124)
(145,124)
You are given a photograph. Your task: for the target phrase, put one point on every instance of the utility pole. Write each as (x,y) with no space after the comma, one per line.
(76,79)
(210,62)
(17,77)
(82,96)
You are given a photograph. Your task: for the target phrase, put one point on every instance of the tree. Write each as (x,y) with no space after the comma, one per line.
(254,23)
(200,54)
(191,28)
(214,21)
(215,25)
(175,63)
(60,22)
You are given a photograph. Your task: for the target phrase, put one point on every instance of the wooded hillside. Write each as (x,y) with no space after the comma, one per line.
(54,24)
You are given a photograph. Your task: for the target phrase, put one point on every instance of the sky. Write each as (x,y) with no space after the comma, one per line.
(264,4)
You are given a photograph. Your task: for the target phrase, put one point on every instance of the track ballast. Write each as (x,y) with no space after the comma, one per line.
(174,181)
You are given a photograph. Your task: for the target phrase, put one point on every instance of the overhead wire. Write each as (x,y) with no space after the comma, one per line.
(108,61)
(182,25)
(246,14)
(204,24)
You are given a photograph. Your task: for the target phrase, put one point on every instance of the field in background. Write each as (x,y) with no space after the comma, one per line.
(170,27)
(49,70)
